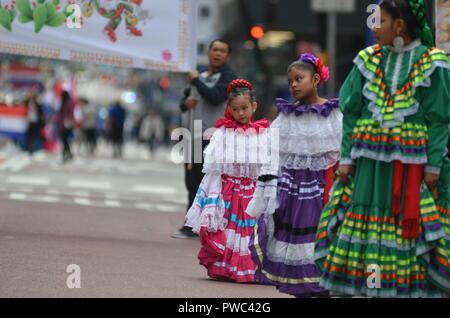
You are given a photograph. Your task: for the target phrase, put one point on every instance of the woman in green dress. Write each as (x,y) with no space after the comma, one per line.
(386,229)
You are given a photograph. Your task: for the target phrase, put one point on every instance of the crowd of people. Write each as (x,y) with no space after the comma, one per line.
(358,202)
(82,121)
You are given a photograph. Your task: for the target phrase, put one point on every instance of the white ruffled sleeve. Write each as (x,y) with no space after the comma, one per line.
(209,207)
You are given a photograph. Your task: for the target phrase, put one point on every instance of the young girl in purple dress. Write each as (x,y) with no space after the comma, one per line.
(289,200)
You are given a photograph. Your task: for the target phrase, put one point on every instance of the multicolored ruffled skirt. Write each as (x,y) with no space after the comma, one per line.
(224,251)
(359,245)
(283,242)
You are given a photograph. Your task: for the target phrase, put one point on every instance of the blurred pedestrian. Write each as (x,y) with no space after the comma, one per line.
(89,125)
(205,100)
(66,123)
(310,132)
(116,118)
(36,117)
(218,212)
(152,130)
(390,212)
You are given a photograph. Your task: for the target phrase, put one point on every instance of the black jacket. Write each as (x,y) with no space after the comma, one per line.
(215,95)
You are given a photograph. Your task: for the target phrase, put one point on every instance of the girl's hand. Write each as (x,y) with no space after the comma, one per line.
(431,180)
(345,171)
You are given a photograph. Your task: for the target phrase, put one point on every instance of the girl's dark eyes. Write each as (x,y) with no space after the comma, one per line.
(297,79)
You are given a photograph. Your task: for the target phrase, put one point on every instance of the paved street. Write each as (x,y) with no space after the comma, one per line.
(112,218)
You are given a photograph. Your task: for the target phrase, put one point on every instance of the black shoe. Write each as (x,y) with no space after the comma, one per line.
(184,233)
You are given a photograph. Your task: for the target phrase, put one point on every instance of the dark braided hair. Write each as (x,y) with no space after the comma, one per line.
(414,13)
(240,87)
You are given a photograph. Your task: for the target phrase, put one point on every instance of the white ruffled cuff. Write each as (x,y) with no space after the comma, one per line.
(211,218)
(346,161)
(265,199)
(434,170)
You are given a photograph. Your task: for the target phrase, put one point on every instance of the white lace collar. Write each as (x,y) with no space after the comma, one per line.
(411,46)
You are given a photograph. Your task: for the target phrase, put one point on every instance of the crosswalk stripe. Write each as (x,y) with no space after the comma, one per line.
(112,203)
(89,184)
(17,196)
(28,180)
(82,201)
(154,189)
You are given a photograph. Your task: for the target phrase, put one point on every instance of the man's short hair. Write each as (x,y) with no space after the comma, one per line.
(222,41)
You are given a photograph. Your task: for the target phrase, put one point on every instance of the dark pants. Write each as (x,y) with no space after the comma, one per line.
(65,135)
(117,140)
(91,139)
(33,133)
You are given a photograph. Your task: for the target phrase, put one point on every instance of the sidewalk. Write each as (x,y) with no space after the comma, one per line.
(7,149)
(131,152)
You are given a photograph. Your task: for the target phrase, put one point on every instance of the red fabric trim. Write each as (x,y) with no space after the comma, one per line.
(411,206)
(259,125)
(397,187)
(328,176)
(412,201)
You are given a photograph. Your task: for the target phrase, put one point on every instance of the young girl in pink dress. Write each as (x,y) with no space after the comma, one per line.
(231,169)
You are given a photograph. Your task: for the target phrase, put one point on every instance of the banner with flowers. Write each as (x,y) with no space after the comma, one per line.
(150,34)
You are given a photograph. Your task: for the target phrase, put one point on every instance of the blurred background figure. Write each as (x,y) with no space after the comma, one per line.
(88,125)
(66,123)
(152,130)
(36,118)
(116,120)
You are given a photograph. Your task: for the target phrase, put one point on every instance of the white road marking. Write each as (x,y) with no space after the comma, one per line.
(89,184)
(53,191)
(153,189)
(166,208)
(82,201)
(112,203)
(28,180)
(17,196)
(46,198)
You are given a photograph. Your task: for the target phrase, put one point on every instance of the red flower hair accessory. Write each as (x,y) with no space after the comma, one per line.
(322,70)
(234,84)
(239,83)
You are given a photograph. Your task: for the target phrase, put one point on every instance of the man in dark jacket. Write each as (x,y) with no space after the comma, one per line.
(205,100)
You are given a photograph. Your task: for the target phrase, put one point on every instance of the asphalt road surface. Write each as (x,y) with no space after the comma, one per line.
(99,227)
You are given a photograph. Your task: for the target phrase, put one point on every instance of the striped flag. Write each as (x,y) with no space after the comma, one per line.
(13,122)
(23,76)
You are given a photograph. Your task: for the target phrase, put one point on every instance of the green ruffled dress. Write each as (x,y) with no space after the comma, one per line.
(396,107)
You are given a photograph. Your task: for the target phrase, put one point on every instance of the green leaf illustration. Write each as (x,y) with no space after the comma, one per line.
(13,14)
(5,19)
(41,1)
(57,20)
(25,8)
(51,11)
(56,2)
(24,19)
(39,16)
